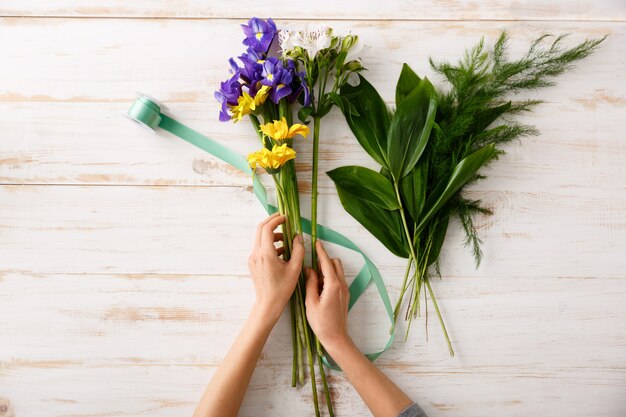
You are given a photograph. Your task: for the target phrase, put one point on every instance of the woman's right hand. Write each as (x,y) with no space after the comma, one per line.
(327,300)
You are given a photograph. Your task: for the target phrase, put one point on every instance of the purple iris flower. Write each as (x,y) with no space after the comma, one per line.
(259,34)
(278,77)
(252,66)
(229,92)
(300,86)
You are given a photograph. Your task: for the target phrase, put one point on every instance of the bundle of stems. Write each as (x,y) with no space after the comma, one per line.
(304,341)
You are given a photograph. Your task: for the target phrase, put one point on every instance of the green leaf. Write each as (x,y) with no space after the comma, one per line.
(439,235)
(343,102)
(369,121)
(462,173)
(483,119)
(410,128)
(407,82)
(341,57)
(367,185)
(385,225)
(385,172)
(304,113)
(413,189)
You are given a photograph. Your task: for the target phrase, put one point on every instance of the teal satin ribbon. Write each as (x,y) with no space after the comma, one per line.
(148,113)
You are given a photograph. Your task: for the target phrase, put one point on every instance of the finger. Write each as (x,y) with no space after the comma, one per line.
(278,237)
(326,266)
(267,234)
(339,270)
(280,251)
(259,229)
(297,253)
(312,291)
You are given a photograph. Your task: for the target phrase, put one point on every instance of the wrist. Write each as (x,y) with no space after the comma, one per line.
(336,345)
(264,315)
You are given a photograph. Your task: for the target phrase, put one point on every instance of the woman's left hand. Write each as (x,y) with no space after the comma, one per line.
(274,279)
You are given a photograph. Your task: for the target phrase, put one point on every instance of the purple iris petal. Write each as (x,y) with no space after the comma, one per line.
(252,66)
(259,34)
(274,73)
(279,91)
(228,93)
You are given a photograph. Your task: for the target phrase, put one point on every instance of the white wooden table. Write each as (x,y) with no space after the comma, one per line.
(123,278)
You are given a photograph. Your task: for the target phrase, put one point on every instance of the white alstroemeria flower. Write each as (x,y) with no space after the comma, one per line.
(286,40)
(314,41)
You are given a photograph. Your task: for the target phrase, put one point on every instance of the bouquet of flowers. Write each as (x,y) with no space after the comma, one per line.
(429,148)
(433,146)
(268,85)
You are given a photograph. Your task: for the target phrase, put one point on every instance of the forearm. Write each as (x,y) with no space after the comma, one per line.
(224,394)
(380,394)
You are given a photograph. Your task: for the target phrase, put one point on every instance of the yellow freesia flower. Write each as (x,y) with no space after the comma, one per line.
(272,160)
(280,130)
(262,94)
(246,104)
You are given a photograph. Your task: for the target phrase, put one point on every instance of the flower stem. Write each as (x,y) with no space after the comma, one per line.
(309,350)
(316,139)
(443,326)
(396,310)
(294,366)
(425,261)
(319,349)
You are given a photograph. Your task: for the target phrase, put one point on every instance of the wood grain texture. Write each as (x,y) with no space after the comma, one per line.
(122,253)
(326,9)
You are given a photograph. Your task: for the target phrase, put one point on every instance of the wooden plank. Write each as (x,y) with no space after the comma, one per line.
(581,149)
(122,254)
(148,343)
(100,60)
(183,230)
(326,10)
(63,125)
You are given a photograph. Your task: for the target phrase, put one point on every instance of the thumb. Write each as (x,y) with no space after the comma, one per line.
(297,253)
(312,288)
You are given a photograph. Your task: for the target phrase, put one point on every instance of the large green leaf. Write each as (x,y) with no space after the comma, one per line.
(366,184)
(461,174)
(407,82)
(369,121)
(410,128)
(385,225)
(439,235)
(413,189)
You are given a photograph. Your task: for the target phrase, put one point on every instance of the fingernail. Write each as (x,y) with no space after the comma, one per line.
(298,238)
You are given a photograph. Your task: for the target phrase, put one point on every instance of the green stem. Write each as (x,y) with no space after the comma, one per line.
(294,366)
(286,232)
(425,280)
(257,126)
(320,365)
(396,311)
(292,202)
(316,139)
(316,133)
(443,326)
(308,347)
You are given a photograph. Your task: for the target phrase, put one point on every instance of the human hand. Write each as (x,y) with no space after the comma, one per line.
(274,279)
(327,300)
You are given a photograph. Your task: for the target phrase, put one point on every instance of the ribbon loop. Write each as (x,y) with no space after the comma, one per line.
(148,114)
